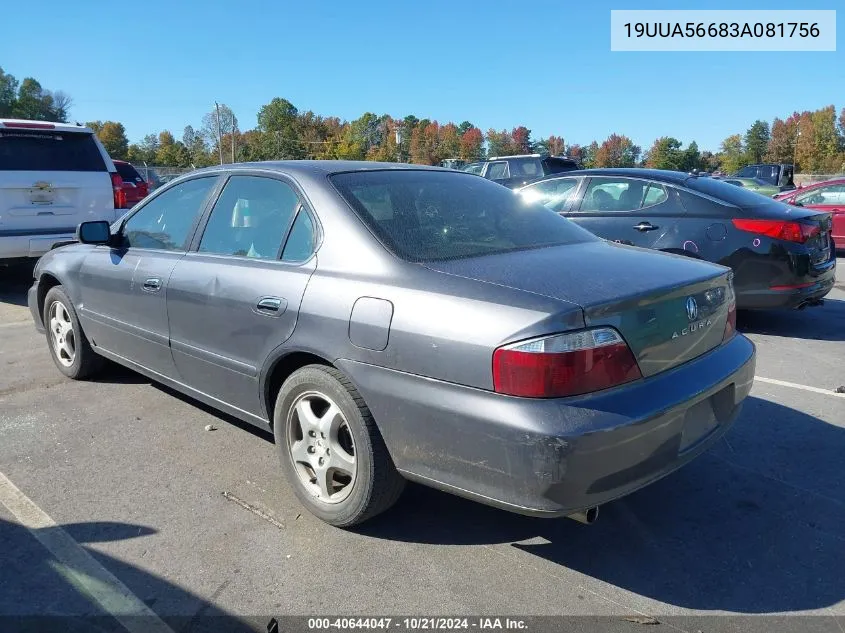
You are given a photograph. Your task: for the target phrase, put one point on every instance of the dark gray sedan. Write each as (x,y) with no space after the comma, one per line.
(393,322)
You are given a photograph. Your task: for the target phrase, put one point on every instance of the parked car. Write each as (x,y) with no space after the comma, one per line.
(827,196)
(779,175)
(754,184)
(52,177)
(781,256)
(135,188)
(517,171)
(393,322)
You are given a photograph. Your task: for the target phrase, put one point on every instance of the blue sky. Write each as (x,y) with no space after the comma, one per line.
(544,64)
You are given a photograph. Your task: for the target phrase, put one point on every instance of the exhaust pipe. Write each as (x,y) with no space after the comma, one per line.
(587,517)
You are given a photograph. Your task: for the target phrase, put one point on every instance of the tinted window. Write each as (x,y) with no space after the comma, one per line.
(553,194)
(474,168)
(127,172)
(721,190)
(497,171)
(748,172)
(655,194)
(31,150)
(557,165)
(613,195)
(300,242)
(251,218)
(529,167)
(426,215)
(166,221)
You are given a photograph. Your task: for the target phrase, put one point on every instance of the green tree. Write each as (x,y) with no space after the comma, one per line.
(113,137)
(827,158)
(733,155)
(499,143)
(588,155)
(449,145)
(757,141)
(466,126)
(691,159)
(805,144)
(8,93)
(32,102)
(665,153)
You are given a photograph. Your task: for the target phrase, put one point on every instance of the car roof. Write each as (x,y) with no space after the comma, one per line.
(314,167)
(663,175)
(44,125)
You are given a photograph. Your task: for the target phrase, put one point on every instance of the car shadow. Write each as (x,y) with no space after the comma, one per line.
(752,526)
(822,323)
(43,592)
(15,281)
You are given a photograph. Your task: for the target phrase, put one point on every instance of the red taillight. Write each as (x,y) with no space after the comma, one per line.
(30,126)
(119,193)
(730,325)
(564,365)
(779,229)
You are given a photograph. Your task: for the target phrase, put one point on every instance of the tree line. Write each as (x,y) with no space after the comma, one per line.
(814,141)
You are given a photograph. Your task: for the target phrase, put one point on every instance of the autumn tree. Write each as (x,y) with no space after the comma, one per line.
(588,155)
(499,143)
(449,142)
(472,145)
(757,141)
(576,153)
(826,154)
(520,140)
(617,151)
(733,154)
(805,144)
(781,148)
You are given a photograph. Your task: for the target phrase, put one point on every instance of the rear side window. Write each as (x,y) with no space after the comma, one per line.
(251,218)
(655,194)
(127,172)
(31,150)
(525,167)
(427,216)
(722,190)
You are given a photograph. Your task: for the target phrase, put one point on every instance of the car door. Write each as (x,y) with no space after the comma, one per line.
(236,295)
(831,199)
(626,210)
(124,287)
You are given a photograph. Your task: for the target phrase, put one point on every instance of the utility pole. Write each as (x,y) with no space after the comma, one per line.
(234,129)
(219,134)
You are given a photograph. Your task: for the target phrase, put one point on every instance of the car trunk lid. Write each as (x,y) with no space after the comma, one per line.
(669,308)
(816,226)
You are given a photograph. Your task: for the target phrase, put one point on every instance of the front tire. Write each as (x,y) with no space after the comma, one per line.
(331,450)
(68,345)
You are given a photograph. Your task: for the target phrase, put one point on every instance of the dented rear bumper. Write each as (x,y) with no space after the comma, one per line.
(555,457)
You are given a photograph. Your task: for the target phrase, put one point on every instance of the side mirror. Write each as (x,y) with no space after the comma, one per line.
(97,232)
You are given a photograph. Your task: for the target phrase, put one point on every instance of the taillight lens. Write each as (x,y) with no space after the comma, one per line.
(778,229)
(564,365)
(119,193)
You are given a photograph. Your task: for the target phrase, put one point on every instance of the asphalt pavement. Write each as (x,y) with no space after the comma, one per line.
(128,494)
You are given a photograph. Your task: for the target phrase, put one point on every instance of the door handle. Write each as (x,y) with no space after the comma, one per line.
(152,284)
(271,306)
(646,226)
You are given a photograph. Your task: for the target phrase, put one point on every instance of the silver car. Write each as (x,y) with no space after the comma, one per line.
(392,322)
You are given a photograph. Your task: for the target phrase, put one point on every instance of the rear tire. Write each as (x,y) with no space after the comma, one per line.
(331,450)
(66,341)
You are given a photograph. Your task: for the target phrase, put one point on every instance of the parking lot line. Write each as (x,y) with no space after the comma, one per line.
(794,385)
(78,567)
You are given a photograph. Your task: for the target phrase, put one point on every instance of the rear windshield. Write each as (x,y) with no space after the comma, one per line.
(31,150)
(723,190)
(127,172)
(427,215)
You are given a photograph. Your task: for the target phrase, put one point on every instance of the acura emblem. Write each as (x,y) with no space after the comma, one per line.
(692,309)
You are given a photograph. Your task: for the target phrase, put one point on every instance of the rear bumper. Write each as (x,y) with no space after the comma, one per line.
(815,284)
(31,245)
(555,457)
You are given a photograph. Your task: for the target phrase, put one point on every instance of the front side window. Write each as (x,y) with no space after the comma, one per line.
(166,221)
(553,194)
(474,168)
(251,218)
(613,195)
(426,216)
(832,194)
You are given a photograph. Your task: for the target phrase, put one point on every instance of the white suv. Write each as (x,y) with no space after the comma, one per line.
(52,177)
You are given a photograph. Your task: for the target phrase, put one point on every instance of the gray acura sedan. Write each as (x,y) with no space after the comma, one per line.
(394,322)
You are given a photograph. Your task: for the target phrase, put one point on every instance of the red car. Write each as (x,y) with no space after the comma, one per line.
(135,188)
(826,196)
